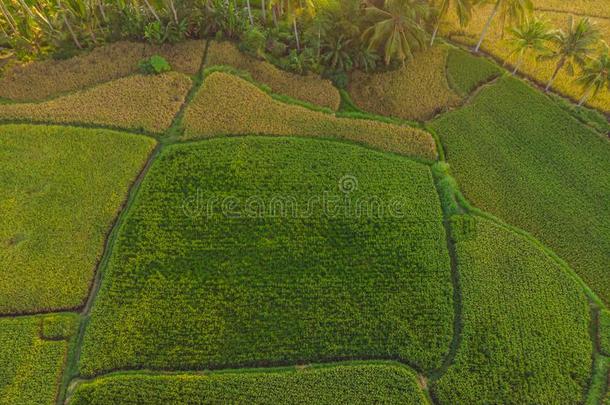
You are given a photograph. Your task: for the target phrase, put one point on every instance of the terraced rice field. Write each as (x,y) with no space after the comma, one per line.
(271,262)
(381,383)
(249,235)
(61,190)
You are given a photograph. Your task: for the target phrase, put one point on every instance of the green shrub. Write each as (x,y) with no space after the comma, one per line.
(286,250)
(466,72)
(353,384)
(59,210)
(520,156)
(525,336)
(154,65)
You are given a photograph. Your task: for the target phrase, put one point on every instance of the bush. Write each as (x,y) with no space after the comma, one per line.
(310,88)
(262,261)
(140,103)
(518,155)
(154,65)
(375,383)
(525,337)
(416,92)
(54,225)
(228,105)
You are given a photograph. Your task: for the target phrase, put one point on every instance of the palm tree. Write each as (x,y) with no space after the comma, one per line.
(463,9)
(595,75)
(514,10)
(397,28)
(573,47)
(532,36)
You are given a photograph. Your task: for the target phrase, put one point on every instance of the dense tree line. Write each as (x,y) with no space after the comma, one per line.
(326,36)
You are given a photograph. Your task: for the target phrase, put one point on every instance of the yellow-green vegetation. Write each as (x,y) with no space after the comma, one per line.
(593,8)
(143,103)
(41,80)
(604,332)
(539,70)
(30,364)
(310,88)
(416,92)
(525,336)
(349,384)
(61,189)
(466,72)
(229,105)
(264,250)
(518,155)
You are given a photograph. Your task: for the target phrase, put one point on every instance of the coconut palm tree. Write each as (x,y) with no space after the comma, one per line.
(532,36)
(516,11)
(397,28)
(595,75)
(463,10)
(573,46)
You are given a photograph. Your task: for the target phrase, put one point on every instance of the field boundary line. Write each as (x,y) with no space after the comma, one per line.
(71,367)
(80,125)
(70,371)
(456,341)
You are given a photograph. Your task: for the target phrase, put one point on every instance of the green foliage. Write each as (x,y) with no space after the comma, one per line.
(56,211)
(604,332)
(466,72)
(60,326)
(525,337)
(154,65)
(353,384)
(245,251)
(586,115)
(31,365)
(447,188)
(518,155)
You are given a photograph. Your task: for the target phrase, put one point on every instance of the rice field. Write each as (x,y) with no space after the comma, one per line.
(61,190)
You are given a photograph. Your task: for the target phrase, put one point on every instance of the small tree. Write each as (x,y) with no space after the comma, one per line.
(463,10)
(573,47)
(531,37)
(516,11)
(595,75)
(397,28)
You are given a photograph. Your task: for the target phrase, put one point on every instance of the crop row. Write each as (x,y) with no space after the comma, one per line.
(143,103)
(44,79)
(31,364)
(353,384)
(416,92)
(518,155)
(253,251)
(310,88)
(593,8)
(61,190)
(525,337)
(229,105)
(541,70)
